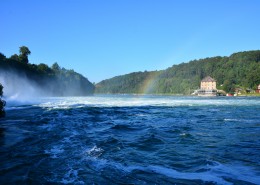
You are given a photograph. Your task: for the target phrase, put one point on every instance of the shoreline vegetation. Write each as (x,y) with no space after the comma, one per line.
(237,74)
(188,95)
(41,79)
(2,102)
(250,94)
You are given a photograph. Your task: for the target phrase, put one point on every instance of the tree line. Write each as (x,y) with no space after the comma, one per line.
(239,70)
(53,81)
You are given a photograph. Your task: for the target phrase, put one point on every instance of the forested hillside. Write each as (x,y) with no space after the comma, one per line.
(238,70)
(18,75)
(130,83)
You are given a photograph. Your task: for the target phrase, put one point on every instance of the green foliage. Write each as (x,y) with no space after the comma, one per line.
(2,102)
(15,57)
(53,81)
(240,69)
(131,83)
(2,56)
(43,68)
(228,86)
(24,52)
(23,59)
(55,67)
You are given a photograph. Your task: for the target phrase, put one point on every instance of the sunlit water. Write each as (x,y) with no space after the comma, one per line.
(131,140)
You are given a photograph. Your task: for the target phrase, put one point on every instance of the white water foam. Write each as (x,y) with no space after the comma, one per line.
(216,173)
(51,103)
(204,176)
(95,152)
(132,101)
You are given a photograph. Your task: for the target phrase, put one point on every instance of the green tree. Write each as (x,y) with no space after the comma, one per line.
(228,86)
(55,67)
(44,68)
(15,57)
(2,57)
(24,52)
(51,82)
(239,70)
(2,102)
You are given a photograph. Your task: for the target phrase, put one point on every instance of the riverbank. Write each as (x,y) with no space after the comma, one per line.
(250,94)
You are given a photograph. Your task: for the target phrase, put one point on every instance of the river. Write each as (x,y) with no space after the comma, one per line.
(131,139)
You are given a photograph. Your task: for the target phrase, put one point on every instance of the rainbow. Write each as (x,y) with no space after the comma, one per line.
(148,85)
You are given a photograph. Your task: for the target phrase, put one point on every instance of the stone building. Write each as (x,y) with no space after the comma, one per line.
(208,87)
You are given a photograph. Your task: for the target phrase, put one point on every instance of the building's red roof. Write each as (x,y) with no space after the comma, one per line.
(208,79)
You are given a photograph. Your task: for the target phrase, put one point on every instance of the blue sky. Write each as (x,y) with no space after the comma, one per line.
(105,38)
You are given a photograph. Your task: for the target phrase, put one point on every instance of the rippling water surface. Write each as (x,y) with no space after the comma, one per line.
(131,140)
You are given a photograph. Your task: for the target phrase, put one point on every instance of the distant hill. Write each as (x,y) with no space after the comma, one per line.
(240,69)
(17,75)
